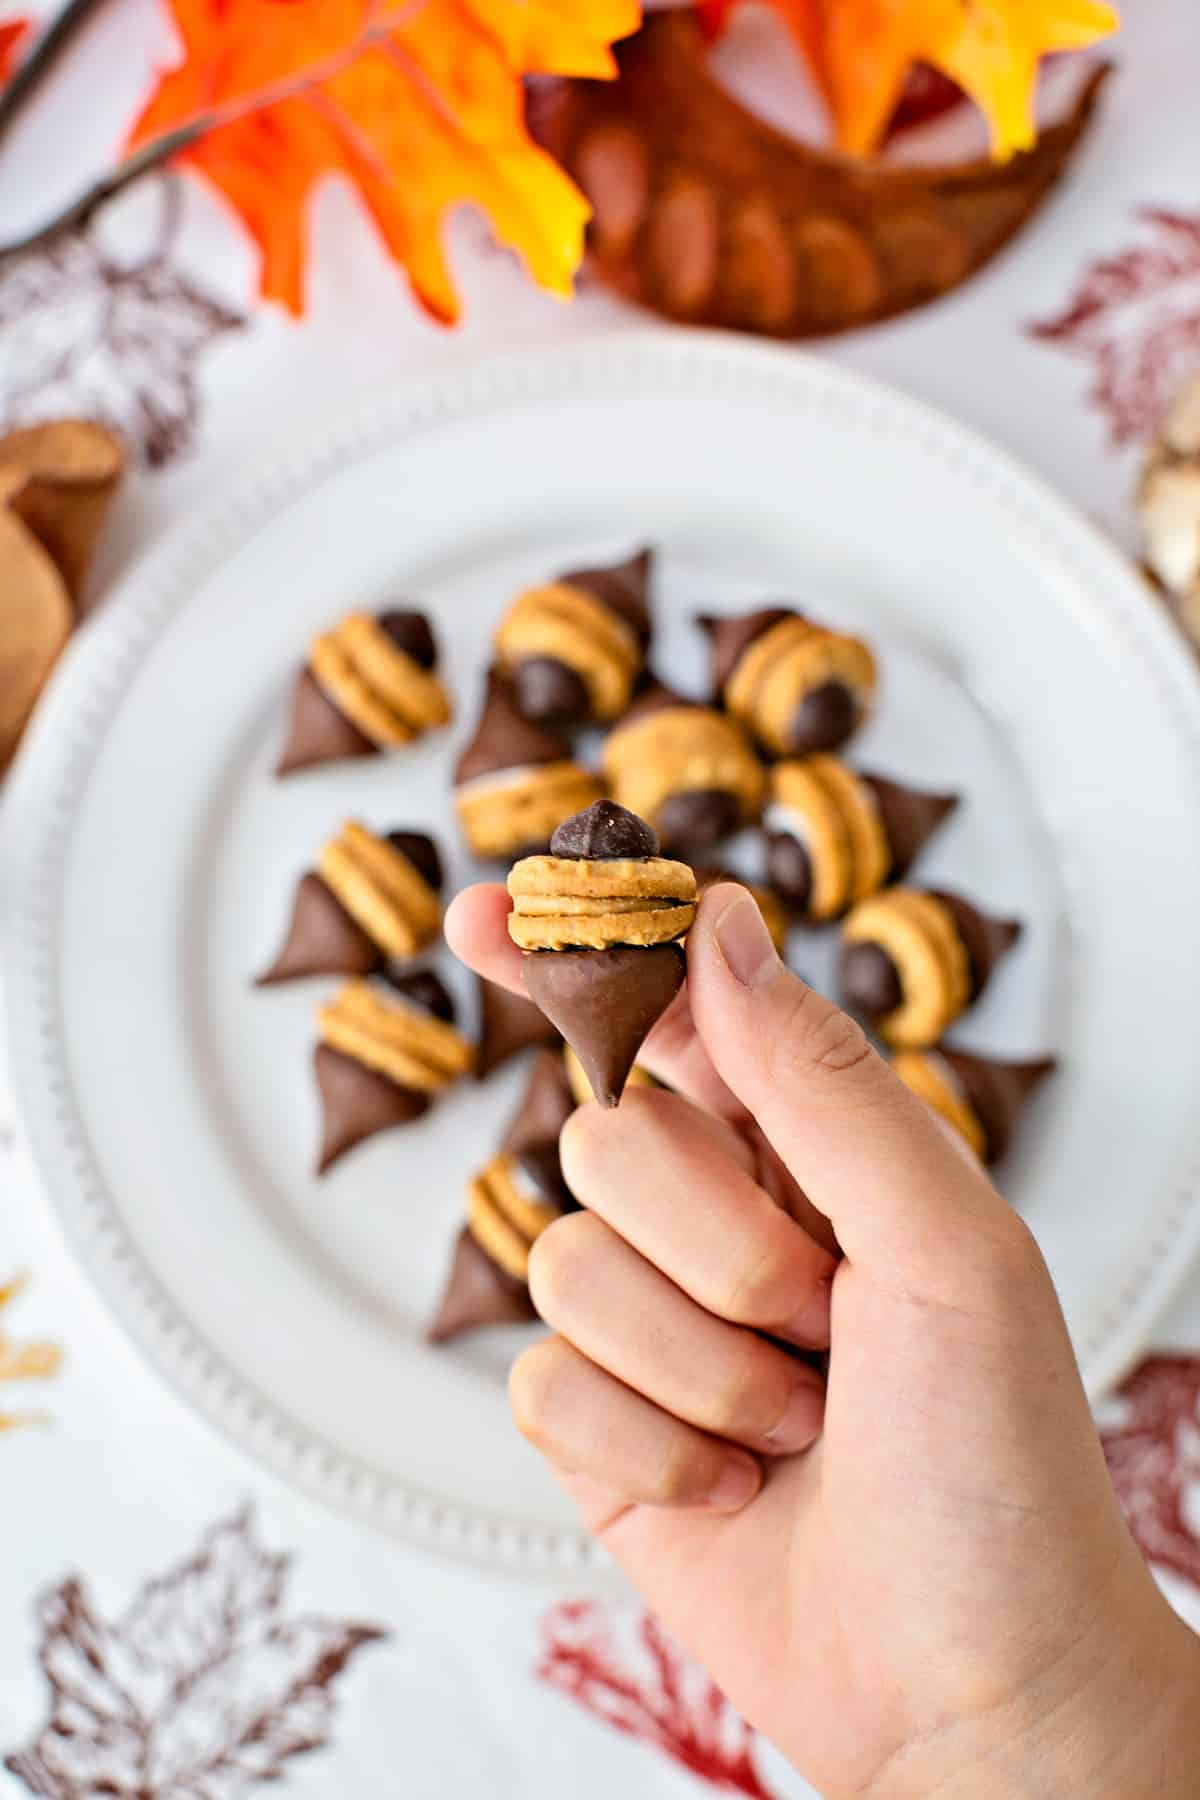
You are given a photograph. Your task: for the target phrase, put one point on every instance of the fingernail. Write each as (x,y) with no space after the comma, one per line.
(810,1326)
(800,1423)
(737,1483)
(745,943)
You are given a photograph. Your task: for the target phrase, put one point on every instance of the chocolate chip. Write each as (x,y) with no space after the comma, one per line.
(697,818)
(604,832)
(421,852)
(412,633)
(549,693)
(790,869)
(424,989)
(826,718)
(870,980)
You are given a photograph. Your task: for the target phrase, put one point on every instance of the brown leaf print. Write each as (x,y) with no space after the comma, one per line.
(84,333)
(23,1361)
(1135,316)
(652,1691)
(1153,1453)
(204,1687)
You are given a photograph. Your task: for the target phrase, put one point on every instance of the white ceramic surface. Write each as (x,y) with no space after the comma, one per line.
(149,859)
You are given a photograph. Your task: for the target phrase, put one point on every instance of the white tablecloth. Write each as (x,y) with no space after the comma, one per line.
(426,1679)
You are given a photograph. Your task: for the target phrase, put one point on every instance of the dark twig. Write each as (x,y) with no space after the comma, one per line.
(34,68)
(150,156)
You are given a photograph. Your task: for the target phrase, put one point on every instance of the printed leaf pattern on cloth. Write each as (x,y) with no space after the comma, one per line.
(1154,1455)
(862,51)
(650,1690)
(11,33)
(84,332)
(32,1361)
(417,103)
(206,1686)
(1135,317)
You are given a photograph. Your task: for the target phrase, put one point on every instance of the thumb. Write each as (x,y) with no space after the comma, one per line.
(900,1192)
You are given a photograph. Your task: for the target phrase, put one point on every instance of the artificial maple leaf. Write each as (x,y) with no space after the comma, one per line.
(418,104)
(863,51)
(991,48)
(1154,1457)
(205,1687)
(84,333)
(11,33)
(650,1691)
(1136,317)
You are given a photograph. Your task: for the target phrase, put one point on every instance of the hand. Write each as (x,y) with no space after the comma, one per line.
(916,1583)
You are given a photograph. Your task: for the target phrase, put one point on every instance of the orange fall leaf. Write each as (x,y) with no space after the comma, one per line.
(418,103)
(11,33)
(862,50)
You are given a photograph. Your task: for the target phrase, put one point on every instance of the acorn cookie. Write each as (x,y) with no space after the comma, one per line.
(386,1049)
(770,905)
(371,900)
(573,647)
(687,769)
(796,686)
(914,959)
(834,837)
(515,781)
(600,921)
(510,1202)
(979,1096)
(369,685)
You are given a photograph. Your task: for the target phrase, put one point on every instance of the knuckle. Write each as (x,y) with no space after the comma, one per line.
(740,1398)
(815,1038)
(679,1475)
(748,1293)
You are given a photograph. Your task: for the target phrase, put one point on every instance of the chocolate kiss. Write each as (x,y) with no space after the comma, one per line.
(729,637)
(322,938)
(986,939)
(545,1106)
(478,1293)
(622,588)
(503,739)
(356,1102)
(508,1024)
(910,817)
(317,732)
(604,1003)
(997,1091)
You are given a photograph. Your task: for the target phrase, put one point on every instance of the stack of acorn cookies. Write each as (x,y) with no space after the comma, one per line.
(606,855)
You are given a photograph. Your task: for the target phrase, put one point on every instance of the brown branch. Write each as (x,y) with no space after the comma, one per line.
(161,149)
(34,68)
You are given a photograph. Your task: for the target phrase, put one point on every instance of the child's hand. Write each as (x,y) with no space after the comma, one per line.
(938,1597)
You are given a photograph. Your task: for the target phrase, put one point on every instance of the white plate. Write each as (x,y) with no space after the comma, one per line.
(151,859)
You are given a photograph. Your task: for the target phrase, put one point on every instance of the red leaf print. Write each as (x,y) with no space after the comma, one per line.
(1136,317)
(205,1687)
(11,33)
(1154,1455)
(651,1691)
